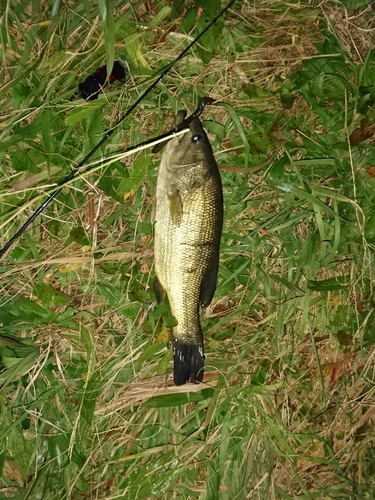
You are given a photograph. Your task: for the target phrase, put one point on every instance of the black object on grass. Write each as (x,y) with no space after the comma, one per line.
(90,88)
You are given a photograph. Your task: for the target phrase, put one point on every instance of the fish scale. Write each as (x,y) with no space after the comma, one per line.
(188,223)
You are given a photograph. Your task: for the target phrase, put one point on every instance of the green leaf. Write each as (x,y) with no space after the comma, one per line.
(210,42)
(210,8)
(49,296)
(255,92)
(330,284)
(370,226)
(109,181)
(21,91)
(10,342)
(105,8)
(13,373)
(173,400)
(78,235)
(149,353)
(136,176)
(189,20)
(344,337)
(84,111)
(110,293)
(240,129)
(355,4)
(177,5)
(91,392)
(164,362)
(55,7)
(163,13)
(286,96)
(215,128)
(306,14)
(89,346)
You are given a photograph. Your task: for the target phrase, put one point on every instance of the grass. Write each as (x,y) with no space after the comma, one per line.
(88,409)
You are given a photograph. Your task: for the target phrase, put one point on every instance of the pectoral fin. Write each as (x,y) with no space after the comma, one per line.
(175,205)
(209,281)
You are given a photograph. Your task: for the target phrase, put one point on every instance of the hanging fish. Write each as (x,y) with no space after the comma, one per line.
(188,225)
(90,88)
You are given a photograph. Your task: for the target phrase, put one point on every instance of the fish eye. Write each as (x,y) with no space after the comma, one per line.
(196,138)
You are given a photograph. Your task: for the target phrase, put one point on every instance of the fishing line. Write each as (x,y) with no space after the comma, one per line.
(108,134)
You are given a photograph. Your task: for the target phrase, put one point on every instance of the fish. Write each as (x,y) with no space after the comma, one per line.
(188,221)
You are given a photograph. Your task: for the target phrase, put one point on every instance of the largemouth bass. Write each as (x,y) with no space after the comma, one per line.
(188,224)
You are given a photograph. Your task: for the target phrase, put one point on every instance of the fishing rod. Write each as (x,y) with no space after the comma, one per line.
(108,134)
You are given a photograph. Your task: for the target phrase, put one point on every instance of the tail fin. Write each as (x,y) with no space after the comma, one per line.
(188,362)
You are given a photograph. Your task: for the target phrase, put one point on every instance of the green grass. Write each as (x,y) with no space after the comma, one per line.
(88,409)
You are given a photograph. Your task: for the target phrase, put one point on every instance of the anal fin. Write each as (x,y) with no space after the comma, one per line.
(209,282)
(158,290)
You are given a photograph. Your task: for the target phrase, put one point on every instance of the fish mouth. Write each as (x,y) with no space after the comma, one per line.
(179,139)
(195,126)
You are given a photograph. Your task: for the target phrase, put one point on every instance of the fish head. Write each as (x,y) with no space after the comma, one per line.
(190,148)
